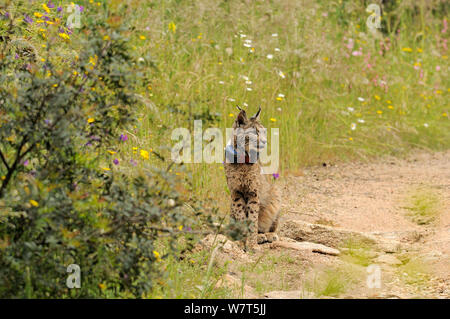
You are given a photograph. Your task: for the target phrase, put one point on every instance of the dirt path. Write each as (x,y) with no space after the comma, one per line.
(400,206)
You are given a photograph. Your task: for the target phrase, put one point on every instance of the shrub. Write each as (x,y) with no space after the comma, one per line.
(61,203)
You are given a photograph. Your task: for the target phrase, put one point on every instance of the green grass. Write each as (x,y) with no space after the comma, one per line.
(414,271)
(278,271)
(321,86)
(189,278)
(398,99)
(358,252)
(423,206)
(331,282)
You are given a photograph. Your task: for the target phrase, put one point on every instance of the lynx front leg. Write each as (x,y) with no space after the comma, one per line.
(238,207)
(252,210)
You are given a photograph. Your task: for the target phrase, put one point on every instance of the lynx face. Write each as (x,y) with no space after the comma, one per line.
(249,137)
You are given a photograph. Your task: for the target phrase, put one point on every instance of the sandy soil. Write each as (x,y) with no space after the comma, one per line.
(367,198)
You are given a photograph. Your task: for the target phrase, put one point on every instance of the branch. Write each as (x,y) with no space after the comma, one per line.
(4,160)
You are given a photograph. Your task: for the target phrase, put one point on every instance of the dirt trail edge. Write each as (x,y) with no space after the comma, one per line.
(375,230)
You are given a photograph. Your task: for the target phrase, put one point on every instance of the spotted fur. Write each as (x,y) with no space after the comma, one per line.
(254,197)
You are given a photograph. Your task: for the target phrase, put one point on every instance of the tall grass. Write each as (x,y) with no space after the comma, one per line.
(336,91)
(388,94)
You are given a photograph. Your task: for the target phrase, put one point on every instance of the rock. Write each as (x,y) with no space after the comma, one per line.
(293,294)
(389,246)
(333,237)
(224,245)
(313,247)
(388,259)
(235,284)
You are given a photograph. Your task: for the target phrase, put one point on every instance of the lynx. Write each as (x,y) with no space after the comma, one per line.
(254,197)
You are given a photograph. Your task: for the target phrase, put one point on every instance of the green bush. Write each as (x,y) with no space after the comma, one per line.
(61,202)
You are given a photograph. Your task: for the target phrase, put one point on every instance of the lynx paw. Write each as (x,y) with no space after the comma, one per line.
(261,238)
(271,237)
(267,238)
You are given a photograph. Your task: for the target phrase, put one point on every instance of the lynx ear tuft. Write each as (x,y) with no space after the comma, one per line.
(256,116)
(241,118)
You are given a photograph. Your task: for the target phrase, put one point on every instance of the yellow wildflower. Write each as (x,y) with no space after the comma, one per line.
(90,120)
(145,154)
(142,37)
(407,50)
(273,119)
(377,97)
(380,112)
(34,203)
(157,256)
(37,14)
(47,9)
(172,27)
(64,36)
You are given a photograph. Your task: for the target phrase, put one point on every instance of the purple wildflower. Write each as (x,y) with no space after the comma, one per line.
(50,4)
(276,175)
(27,19)
(116,161)
(59,9)
(26,163)
(123,137)
(81,8)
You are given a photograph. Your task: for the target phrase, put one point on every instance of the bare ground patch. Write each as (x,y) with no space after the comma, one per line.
(392,213)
